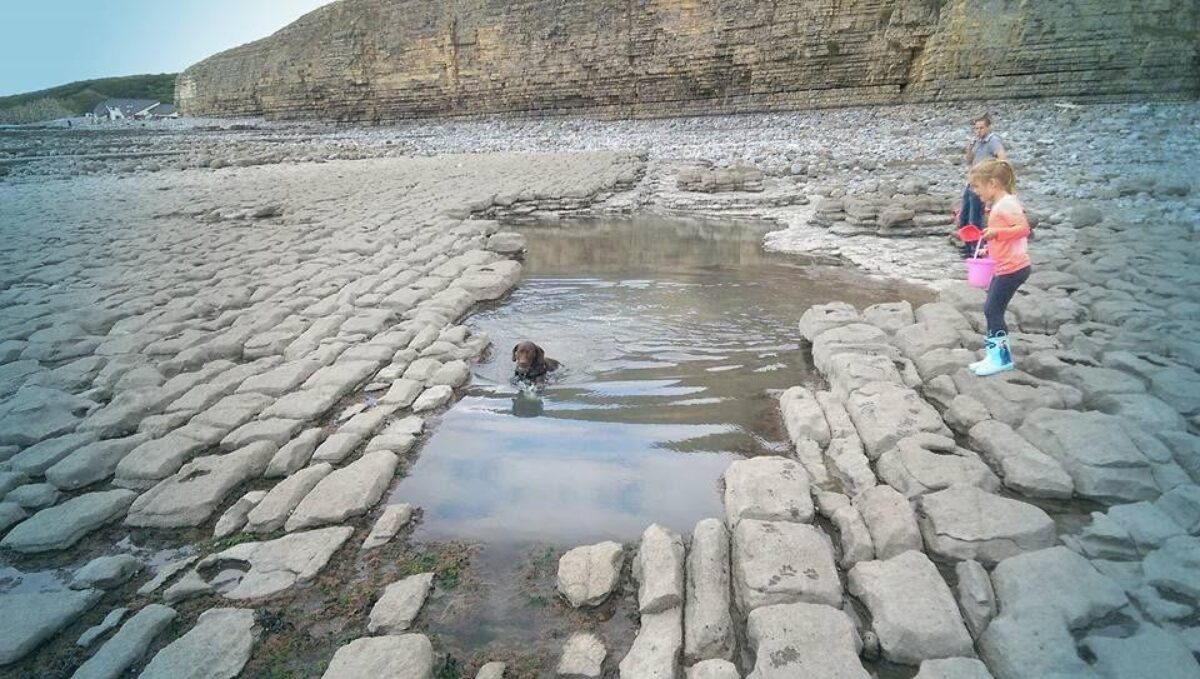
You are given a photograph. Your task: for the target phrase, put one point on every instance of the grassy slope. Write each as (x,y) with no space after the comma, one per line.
(80,97)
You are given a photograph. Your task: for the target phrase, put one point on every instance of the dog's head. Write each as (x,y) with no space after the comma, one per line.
(527,355)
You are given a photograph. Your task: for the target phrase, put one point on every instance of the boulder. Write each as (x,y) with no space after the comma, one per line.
(854,534)
(34,414)
(767,488)
(783,562)
(1010,396)
(63,525)
(912,610)
(587,575)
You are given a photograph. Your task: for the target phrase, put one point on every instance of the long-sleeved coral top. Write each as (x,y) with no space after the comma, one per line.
(1009,231)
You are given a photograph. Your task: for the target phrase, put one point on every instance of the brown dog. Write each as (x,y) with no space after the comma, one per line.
(531,361)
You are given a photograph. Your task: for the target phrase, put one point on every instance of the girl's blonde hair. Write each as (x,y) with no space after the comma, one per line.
(999,170)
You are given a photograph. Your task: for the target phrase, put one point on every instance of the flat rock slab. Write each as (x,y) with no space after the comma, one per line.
(783,562)
(190,496)
(294,454)
(127,646)
(63,525)
(272,512)
(26,620)
(804,640)
(36,459)
(953,668)
(656,649)
(394,518)
(279,564)
(658,569)
(350,491)
(587,575)
(924,463)
(883,413)
(1097,450)
(1151,652)
(713,669)
(217,647)
(407,656)
(965,522)
(400,604)
(1032,643)
(157,459)
(92,463)
(110,621)
(768,489)
(106,572)
(582,658)
(803,417)
(708,625)
(890,521)
(1056,579)
(912,609)
(1024,468)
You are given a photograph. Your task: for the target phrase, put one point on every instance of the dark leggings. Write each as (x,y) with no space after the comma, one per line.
(999,294)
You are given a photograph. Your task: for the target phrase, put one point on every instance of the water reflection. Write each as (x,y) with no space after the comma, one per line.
(674,337)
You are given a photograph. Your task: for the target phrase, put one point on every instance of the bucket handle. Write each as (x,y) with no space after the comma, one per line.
(977,246)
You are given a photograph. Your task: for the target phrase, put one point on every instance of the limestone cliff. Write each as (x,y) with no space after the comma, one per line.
(378,60)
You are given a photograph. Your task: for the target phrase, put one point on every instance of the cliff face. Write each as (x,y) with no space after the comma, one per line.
(378,60)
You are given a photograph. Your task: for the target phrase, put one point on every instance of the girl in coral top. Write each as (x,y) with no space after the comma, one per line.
(1007,236)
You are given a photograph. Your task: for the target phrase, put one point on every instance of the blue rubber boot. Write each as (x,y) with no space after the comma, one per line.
(999,357)
(987,346)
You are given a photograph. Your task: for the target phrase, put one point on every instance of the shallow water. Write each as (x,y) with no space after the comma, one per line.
(675,337)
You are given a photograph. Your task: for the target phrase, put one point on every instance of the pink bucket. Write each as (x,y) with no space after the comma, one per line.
(979,271)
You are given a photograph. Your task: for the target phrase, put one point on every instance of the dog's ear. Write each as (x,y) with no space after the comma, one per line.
(539,356)
(515,347)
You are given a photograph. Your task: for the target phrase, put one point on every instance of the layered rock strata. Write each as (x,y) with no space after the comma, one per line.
(369,60)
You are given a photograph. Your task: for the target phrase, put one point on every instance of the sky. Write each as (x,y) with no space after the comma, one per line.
(44,43)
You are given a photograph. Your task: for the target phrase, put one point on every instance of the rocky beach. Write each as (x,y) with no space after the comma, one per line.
(223,342)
